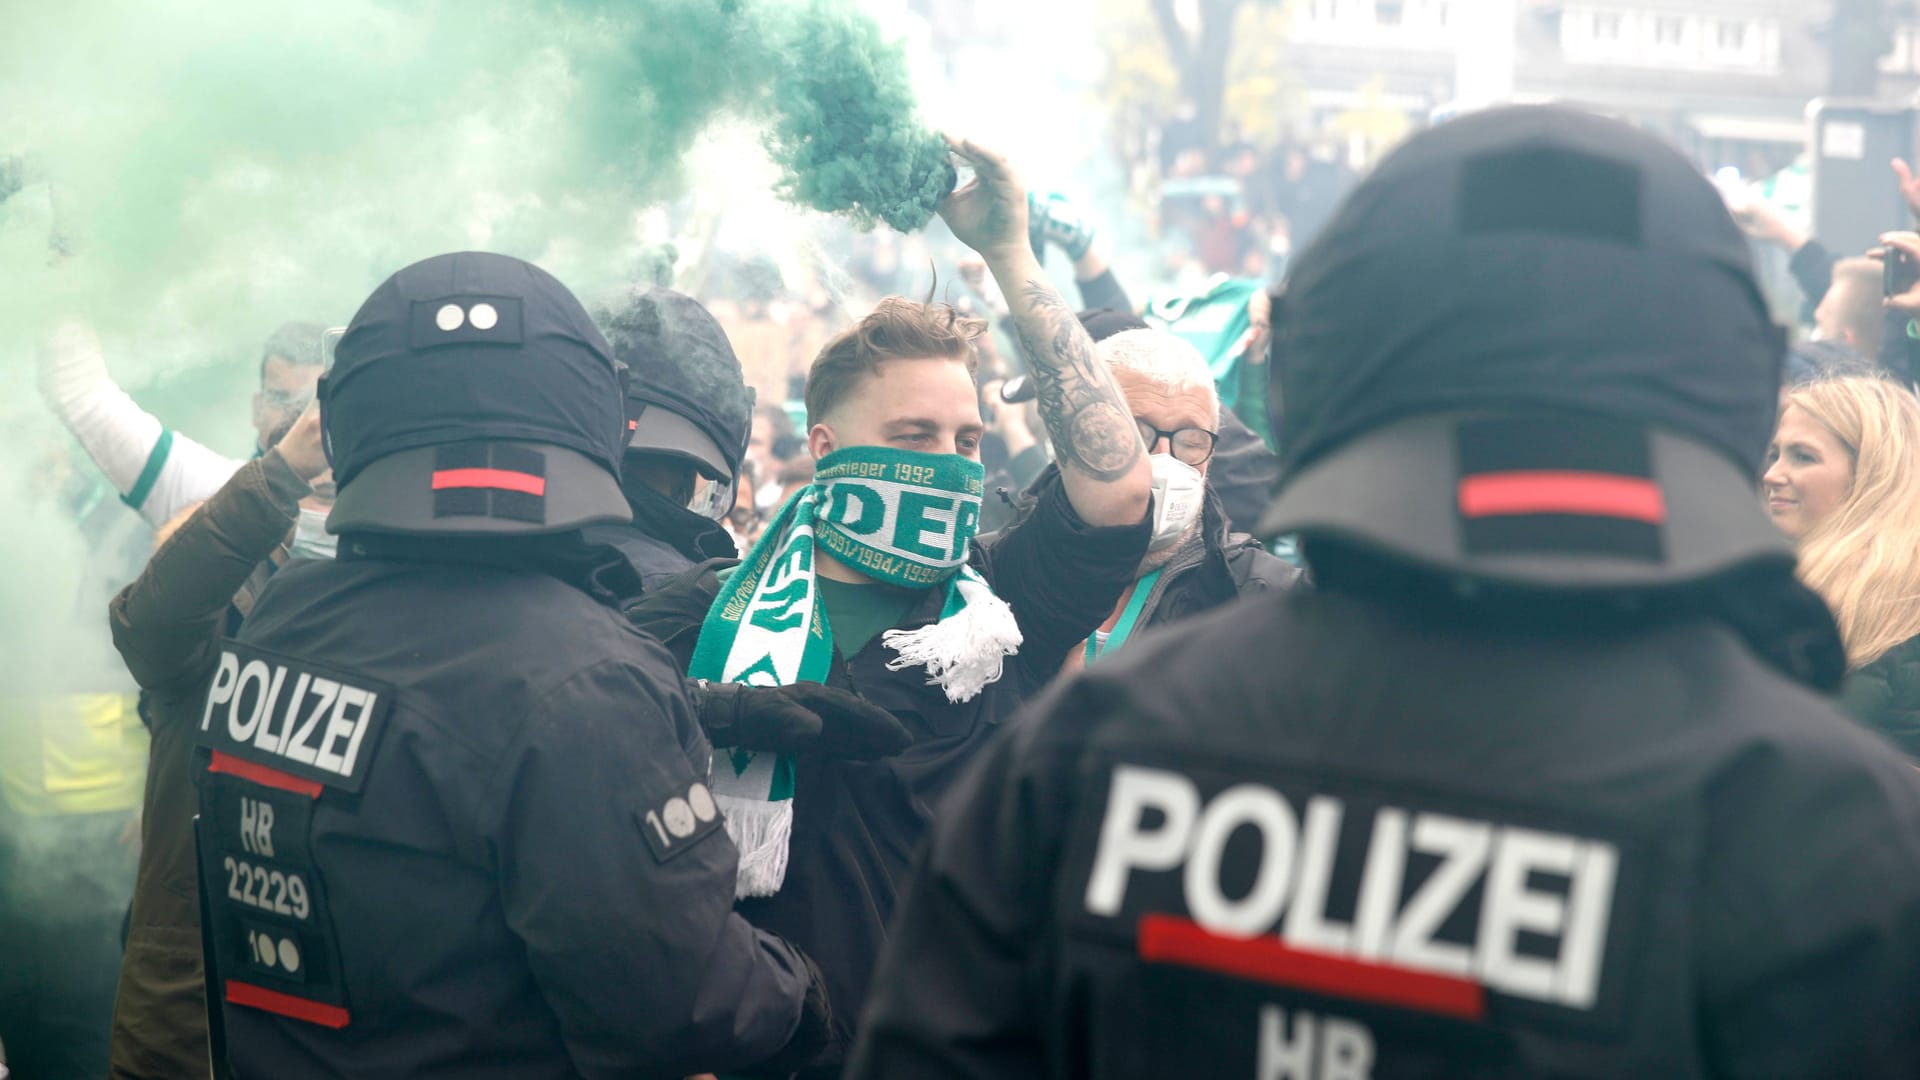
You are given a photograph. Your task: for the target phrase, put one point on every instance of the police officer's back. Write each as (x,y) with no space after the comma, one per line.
(453,817)
(1536,783)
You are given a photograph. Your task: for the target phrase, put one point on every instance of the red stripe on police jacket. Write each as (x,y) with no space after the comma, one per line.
(1586,494)
(1165,939)
(260,774)
(296,1008)
(493,479)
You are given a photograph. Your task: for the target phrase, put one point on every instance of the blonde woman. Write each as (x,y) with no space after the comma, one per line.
(1843,480)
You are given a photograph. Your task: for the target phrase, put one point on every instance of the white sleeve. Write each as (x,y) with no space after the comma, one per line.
(191,473)
(157,472)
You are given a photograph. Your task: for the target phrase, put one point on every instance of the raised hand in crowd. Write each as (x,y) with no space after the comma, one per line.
(1909,186)
(301,446)
(1094,437)
(1907,245)
(1763,221)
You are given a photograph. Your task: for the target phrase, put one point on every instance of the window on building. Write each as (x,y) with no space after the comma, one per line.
(1900,57)
(1730,36)
(1389,12)
(1608,26)
(1669,31)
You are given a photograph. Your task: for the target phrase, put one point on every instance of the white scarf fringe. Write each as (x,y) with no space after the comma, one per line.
(966,651)
(760,829)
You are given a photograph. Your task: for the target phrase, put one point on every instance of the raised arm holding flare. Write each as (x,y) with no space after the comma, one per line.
(1094,436)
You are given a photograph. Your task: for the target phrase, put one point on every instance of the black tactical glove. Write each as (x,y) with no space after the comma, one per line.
(813,1037)
(805,718)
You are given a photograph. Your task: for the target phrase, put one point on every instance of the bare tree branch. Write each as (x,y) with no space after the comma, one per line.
(1179,49)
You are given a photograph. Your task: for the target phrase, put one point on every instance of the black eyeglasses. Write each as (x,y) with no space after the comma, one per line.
(1189,444)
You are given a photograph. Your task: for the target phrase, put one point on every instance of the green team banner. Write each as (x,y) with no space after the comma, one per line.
(1214,320)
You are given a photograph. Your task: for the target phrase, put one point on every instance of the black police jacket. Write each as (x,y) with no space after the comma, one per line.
(856,824)
(664,540)
(1311,836)
(454,823)
(1885,696)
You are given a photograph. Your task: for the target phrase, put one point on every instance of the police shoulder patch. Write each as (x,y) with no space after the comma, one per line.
(1300,906)
(680,821)
(308,720)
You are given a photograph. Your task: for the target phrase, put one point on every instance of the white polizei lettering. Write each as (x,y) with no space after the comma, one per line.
(224,679)
(1589,906)
(1508,907)
(1380,884)
(1281,1057)
(339,730)
(1462,846)
(263,736)
(301,748)
(256,671)
(288,733)
(367,700)
(1346,1050)
(1125,846)
(1265,810)
(1307,924)
(274,741)
(1156,823)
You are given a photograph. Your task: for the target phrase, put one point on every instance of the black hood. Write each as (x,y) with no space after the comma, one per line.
(1527,259)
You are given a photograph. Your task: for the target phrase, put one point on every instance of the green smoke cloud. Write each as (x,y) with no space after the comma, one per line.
(219,166)
(189,174)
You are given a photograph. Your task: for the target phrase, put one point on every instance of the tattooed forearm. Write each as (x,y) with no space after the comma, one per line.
(1086,414)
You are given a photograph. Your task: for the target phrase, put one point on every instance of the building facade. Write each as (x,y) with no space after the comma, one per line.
(1731,79)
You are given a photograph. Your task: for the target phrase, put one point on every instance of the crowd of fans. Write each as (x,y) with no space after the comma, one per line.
(732,400)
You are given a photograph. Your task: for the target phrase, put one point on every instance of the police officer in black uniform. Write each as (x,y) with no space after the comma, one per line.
(690,410)
(1537,782)
(453,818)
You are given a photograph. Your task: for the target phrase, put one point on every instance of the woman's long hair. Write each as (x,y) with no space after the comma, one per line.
(1864,557)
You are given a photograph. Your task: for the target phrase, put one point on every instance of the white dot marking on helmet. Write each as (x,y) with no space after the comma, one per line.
(483,316)
(449,317)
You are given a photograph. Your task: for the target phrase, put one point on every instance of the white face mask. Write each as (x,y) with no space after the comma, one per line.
(1178,491)
(311,540)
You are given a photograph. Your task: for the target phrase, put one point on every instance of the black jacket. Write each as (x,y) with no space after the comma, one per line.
(664,540)
(1812,269)
(1313,835)
(856,825)
(1885,696)
(495,856)
(1214,566)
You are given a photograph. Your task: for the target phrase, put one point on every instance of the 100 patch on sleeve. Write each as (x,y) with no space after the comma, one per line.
(301,718)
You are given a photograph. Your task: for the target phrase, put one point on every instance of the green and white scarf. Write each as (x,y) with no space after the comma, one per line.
(899,516)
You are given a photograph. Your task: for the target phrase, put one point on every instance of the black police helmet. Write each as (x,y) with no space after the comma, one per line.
(685,394)
(472,395)
(1530,348)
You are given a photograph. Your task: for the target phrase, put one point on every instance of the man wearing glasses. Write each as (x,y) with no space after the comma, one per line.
(160,472)
(1194,562)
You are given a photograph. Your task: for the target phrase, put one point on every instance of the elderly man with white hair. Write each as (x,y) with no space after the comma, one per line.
(1194,562)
